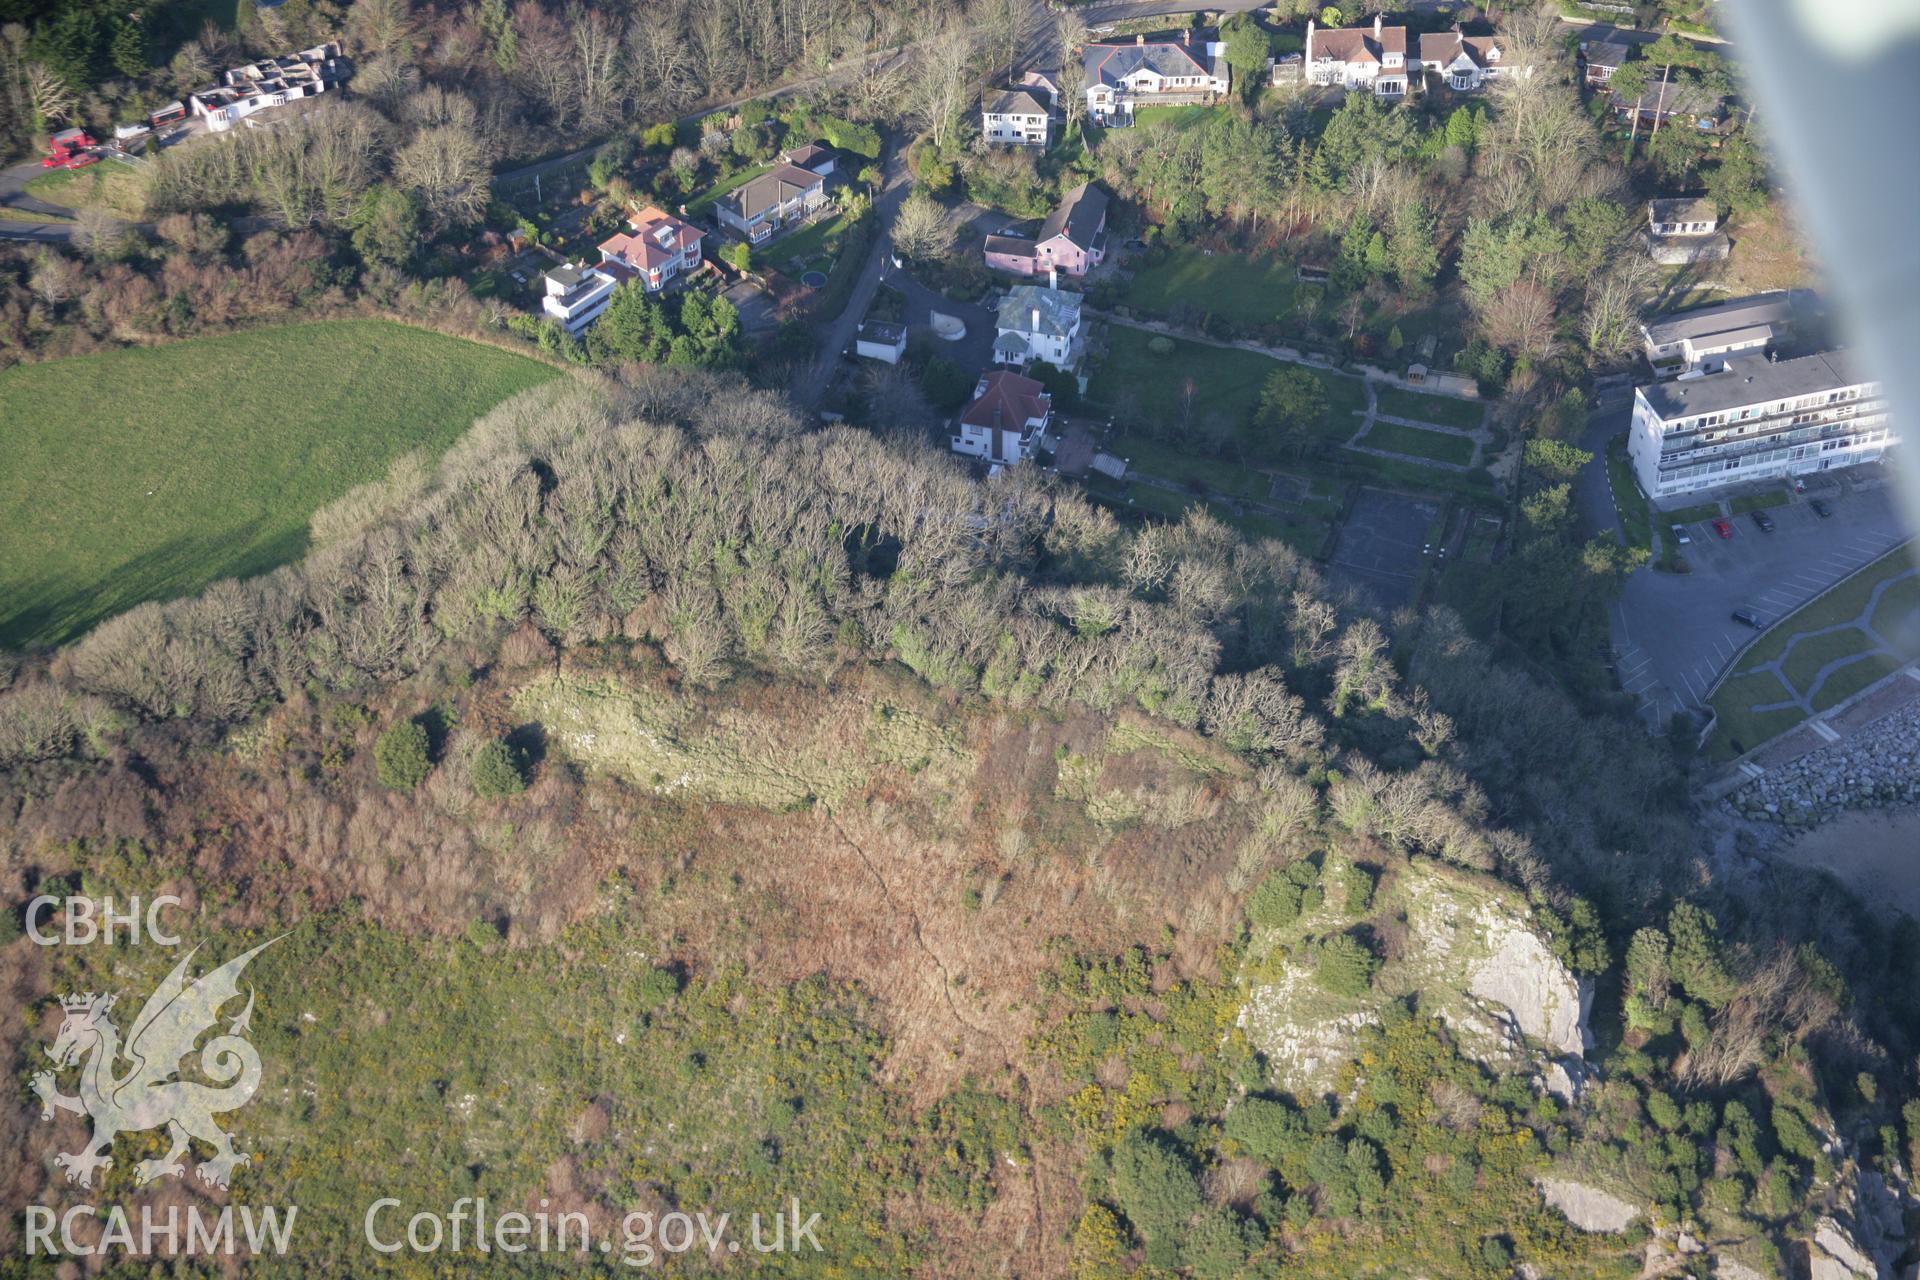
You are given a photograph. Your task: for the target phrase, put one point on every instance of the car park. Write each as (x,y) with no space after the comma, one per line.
(1747,618)
(1681,536)
(1722,528)
(1764,520)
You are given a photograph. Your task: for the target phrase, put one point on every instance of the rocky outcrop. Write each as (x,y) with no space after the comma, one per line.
(1725,1268)
(1588,1208)
(1834,1254)
(1875,768)
(1546,1001)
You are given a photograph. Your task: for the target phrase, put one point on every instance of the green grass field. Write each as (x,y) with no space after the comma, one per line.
(1412,441)
(120,189)
(1636,514)
(1250,290)
(148,473)
(1444,410)
(1226,386)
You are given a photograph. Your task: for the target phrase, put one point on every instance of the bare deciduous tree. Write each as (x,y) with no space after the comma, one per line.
(448,167)
(923,230)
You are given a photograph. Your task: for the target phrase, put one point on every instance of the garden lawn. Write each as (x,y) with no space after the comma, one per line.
(148,473)
(1246,289)
(122,190)
(1636,513)
(700,205)
(1438,445)
(803,247)
(1226,385)
(1444,410)
(1759,501)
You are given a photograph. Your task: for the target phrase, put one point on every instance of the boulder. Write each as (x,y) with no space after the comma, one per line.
(1588,1208)
(1834,1254)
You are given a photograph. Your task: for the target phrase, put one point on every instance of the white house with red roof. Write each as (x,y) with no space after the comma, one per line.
(657,249)
(1007,415)
(1371,58)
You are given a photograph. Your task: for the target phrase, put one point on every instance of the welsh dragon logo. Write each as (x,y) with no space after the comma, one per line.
(148,1093)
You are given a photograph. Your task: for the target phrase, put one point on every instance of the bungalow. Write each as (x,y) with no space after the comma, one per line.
(576,295)
(658,249)
(1686,230)
(1073,239)
(270,82)
(1464,63)
(783,194)
(1168,69)
(1602,58)
(1013,117)
(1702,339)
(1679,100)
(814,157)
(1373,58)
(1009,412)
(1038,323)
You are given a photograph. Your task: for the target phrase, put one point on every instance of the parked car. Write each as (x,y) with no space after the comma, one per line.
(1681,536)
(1746,618)
(1820,508)
(1764,520)
(1722,528)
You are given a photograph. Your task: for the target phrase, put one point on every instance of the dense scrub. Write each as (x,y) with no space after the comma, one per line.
(1057,783)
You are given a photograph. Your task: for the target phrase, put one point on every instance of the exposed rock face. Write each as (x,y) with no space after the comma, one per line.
(1588,1208)
(1549,1003)
(1728,1269)
(1875,768)
(1833,1254)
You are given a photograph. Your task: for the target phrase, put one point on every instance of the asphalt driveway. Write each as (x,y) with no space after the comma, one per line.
(1673,634)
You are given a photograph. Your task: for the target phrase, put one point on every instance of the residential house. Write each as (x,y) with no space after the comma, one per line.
(783,194)
(1687,230)
(658,249)
(1464,63)
(880,340)
(1372,58)
(1756,419)
(1701,339)
(577,294)
(1013,117)
(1601,58)
(1039,323)
(1006,417)
(1073,239)
(271,82)
(814,157)
(1042,84)
(1168,69)
(1679,100)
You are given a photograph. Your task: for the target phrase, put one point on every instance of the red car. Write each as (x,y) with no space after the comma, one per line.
(1722,528)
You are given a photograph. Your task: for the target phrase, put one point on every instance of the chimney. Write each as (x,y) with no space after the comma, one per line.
(1376,26)
(1140,39)
(1306,54)
(1053,277)
(1186,37)
(1036,321)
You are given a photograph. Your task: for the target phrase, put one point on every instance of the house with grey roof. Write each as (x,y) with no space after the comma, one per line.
(1599,59)
(1685,230)
(1073,239)
(1013,117)
(1702,338)
(1171,68)
(1756,418)
(783,194)
(1039,323)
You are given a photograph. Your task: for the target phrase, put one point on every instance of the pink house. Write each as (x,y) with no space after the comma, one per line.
(1073,240)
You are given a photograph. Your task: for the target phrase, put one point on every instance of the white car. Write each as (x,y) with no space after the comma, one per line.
(1681,536)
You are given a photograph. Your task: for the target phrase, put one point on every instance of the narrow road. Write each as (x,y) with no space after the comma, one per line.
(837,334)
(13,194)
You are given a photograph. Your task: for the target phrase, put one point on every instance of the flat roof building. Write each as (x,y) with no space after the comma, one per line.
(1702,339)
(1756,419)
